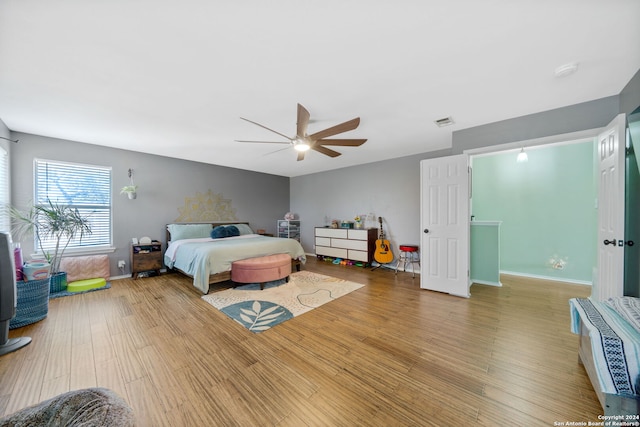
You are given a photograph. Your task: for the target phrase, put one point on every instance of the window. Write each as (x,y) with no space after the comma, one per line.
(5,222)
(84,187)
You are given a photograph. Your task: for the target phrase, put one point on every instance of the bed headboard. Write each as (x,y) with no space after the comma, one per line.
(213,224)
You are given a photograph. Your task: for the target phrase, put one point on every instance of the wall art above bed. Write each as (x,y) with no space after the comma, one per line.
(207,206)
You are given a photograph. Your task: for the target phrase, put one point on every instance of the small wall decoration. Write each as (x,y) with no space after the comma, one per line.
(558,263)
(205,207)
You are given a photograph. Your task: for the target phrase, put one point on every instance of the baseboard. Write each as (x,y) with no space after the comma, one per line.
(391,266)
(486,282)
(128,276)
(555,279)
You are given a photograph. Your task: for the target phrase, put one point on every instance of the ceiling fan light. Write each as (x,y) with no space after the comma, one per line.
(301,146)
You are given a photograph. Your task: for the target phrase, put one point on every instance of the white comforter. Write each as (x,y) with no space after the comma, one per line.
(202,257)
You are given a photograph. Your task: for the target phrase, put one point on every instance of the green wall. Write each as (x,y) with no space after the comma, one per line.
(547,208)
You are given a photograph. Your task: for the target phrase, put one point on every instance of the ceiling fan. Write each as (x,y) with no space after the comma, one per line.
(302,142)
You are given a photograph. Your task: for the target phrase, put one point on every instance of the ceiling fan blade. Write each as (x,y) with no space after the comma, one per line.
(324,150)
(303,121)
(300,155)
(342,127)
(277,151)
(342,142)
(264,127)
(264,142)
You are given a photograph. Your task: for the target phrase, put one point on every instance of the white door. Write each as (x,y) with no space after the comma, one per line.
(611,162)
(444,220)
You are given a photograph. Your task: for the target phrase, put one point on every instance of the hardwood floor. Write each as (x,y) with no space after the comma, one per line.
(387,354)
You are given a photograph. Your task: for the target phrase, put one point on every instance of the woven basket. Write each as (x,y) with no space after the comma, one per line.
(32,304)
(58,282)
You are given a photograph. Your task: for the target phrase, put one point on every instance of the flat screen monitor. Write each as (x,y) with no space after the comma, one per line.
(8,296)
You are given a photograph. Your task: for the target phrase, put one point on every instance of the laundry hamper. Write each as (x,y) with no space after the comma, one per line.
(32,302)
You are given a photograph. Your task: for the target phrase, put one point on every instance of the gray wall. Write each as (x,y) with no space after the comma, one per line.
(584,116)
(388,189)
(163,184)
(630,95)
(4,132)
(391,189)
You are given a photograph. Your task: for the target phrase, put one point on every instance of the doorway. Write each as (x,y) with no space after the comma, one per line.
(547,208)
(435,193)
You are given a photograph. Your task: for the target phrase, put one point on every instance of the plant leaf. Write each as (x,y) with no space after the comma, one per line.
(256,306)
(269,310)
(271,316)
(246,318)
(250,312)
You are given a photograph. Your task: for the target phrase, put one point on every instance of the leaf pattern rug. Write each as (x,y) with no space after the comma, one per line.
(259,310)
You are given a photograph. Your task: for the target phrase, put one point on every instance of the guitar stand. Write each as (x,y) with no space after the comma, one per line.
(378,266)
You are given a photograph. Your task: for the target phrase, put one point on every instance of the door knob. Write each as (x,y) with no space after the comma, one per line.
(610,242)
(426,230)
(629,243)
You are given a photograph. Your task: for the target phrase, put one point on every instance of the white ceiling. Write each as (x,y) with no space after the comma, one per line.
(174,77)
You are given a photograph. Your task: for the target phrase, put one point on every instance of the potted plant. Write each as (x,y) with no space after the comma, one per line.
(52,221)
(130,191)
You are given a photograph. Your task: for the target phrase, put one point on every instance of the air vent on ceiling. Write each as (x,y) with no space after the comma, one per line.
(566,69)
(447,121)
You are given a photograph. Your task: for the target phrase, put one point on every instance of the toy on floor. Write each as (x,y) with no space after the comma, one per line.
(86,284)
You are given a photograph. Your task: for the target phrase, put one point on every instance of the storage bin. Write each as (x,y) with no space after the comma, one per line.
(58,282)
(36,270)
(32,303)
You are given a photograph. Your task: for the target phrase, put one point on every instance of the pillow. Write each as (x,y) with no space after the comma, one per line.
(244,229)
(87,407)
(189,231)
(219,232)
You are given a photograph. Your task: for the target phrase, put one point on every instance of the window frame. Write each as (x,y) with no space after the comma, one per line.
(74,248)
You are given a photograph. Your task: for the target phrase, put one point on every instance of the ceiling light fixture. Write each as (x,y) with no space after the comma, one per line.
(301,145)
(566,69)
(522,156)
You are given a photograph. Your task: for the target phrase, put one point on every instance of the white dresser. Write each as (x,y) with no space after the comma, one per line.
(346,243)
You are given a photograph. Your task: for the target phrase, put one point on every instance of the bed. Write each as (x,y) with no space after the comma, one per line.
(610,351)
(192,251)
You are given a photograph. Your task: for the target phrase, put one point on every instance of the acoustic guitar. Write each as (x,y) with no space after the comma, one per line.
(383,253)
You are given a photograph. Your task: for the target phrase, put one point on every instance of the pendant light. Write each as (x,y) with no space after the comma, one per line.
(522,156)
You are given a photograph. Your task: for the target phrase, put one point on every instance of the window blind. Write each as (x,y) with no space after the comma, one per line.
(5,220)
(83,187)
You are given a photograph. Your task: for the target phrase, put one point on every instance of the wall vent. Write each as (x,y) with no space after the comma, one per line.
(447,121)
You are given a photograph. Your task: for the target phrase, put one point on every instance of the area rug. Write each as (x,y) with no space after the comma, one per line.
(259,310)
(67,293)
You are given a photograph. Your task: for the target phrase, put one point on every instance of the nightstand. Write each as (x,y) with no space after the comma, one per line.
(146,257)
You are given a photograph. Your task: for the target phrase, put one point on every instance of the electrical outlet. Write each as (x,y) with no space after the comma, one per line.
(121,263)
